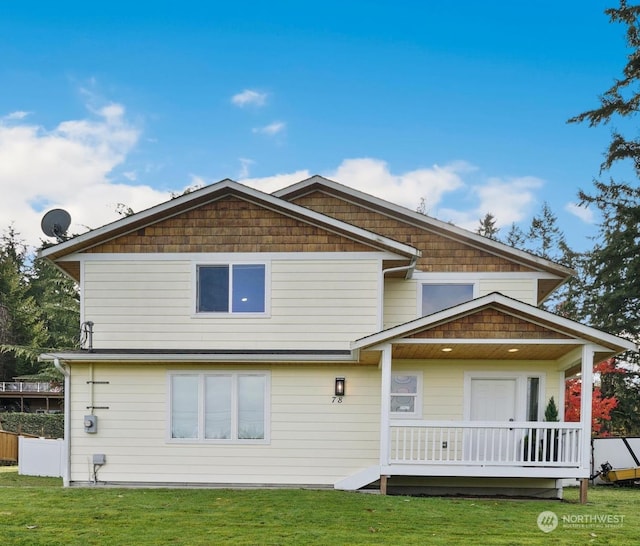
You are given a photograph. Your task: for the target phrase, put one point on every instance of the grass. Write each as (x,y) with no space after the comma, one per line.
(39,511)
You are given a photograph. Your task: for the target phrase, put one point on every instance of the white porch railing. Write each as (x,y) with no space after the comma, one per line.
(483,443)
(28,386)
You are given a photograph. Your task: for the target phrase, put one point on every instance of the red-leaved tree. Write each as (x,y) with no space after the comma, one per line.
(601,406)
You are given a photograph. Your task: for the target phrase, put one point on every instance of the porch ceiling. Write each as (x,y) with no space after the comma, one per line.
(483,351)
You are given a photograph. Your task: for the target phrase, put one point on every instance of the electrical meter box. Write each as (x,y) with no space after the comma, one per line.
(91,424)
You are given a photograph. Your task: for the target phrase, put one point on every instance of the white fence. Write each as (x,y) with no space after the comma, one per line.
(41,457)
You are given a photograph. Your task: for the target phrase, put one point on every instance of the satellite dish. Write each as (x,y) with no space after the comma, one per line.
(55,224)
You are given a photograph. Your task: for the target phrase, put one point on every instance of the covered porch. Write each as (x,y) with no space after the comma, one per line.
(496,362)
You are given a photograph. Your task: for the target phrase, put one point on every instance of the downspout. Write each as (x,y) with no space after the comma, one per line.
(385,380)
(67,419)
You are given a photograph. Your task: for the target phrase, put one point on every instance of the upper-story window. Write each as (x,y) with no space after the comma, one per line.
(439,296)
(231,288)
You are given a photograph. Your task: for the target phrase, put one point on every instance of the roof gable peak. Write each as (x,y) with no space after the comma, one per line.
(215,192)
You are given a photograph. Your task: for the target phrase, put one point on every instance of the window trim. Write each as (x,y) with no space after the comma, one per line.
(202,375)
(473,283)
(417,412)
(195,313)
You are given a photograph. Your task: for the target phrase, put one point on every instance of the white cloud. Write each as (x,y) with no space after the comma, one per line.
(271,129)
(72,166)
(68,167)
(249,97)
(373,176)
(507,200)
(583,213)
(269,184)
(18,115)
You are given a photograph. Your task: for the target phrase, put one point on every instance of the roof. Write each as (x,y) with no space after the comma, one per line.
(200,355)
(211,193)
(551,329)
(319,183)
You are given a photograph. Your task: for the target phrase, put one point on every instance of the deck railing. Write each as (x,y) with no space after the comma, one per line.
(483,443)
(29,386)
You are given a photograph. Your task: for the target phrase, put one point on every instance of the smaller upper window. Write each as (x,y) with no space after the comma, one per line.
(231,288)
(439,296)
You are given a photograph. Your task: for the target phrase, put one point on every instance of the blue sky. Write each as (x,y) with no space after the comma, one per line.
(461,103)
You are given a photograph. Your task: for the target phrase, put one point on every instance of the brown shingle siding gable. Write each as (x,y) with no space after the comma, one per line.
(489,324)
(230,224)
(439,254)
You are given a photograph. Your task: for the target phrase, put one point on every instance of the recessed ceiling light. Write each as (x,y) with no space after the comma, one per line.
(447,350)
(514,350)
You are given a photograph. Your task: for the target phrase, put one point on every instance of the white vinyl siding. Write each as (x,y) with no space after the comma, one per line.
(314,304)
(523,290)
(399,302)
(443,383)
(313,440)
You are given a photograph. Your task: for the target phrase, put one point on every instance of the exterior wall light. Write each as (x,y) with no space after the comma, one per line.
(340,386)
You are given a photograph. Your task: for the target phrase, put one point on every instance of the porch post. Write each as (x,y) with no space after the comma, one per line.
(586,395)
(385,394)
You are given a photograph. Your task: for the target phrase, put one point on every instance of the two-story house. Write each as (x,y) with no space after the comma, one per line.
(318,336)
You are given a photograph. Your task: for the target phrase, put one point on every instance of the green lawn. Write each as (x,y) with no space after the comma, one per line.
(39,511)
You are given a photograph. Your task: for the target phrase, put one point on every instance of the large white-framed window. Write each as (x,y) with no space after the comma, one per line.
(434,296)
(219,407)
(406,395)
(231,288)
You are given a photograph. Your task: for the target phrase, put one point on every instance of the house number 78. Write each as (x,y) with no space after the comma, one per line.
(336,400)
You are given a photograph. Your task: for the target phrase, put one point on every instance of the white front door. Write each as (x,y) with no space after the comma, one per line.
(492,400)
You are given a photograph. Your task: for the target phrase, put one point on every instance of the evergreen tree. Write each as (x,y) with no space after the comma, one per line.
(545,238)
(58,300)
(612,301)
(621,99)
(612,268)
(515,237)
(22,328)
(487,227)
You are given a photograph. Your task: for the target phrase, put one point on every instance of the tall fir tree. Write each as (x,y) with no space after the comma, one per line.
(515,237)
(612,267)
(23,329)
(59,302)
(487,227)
(545,238)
